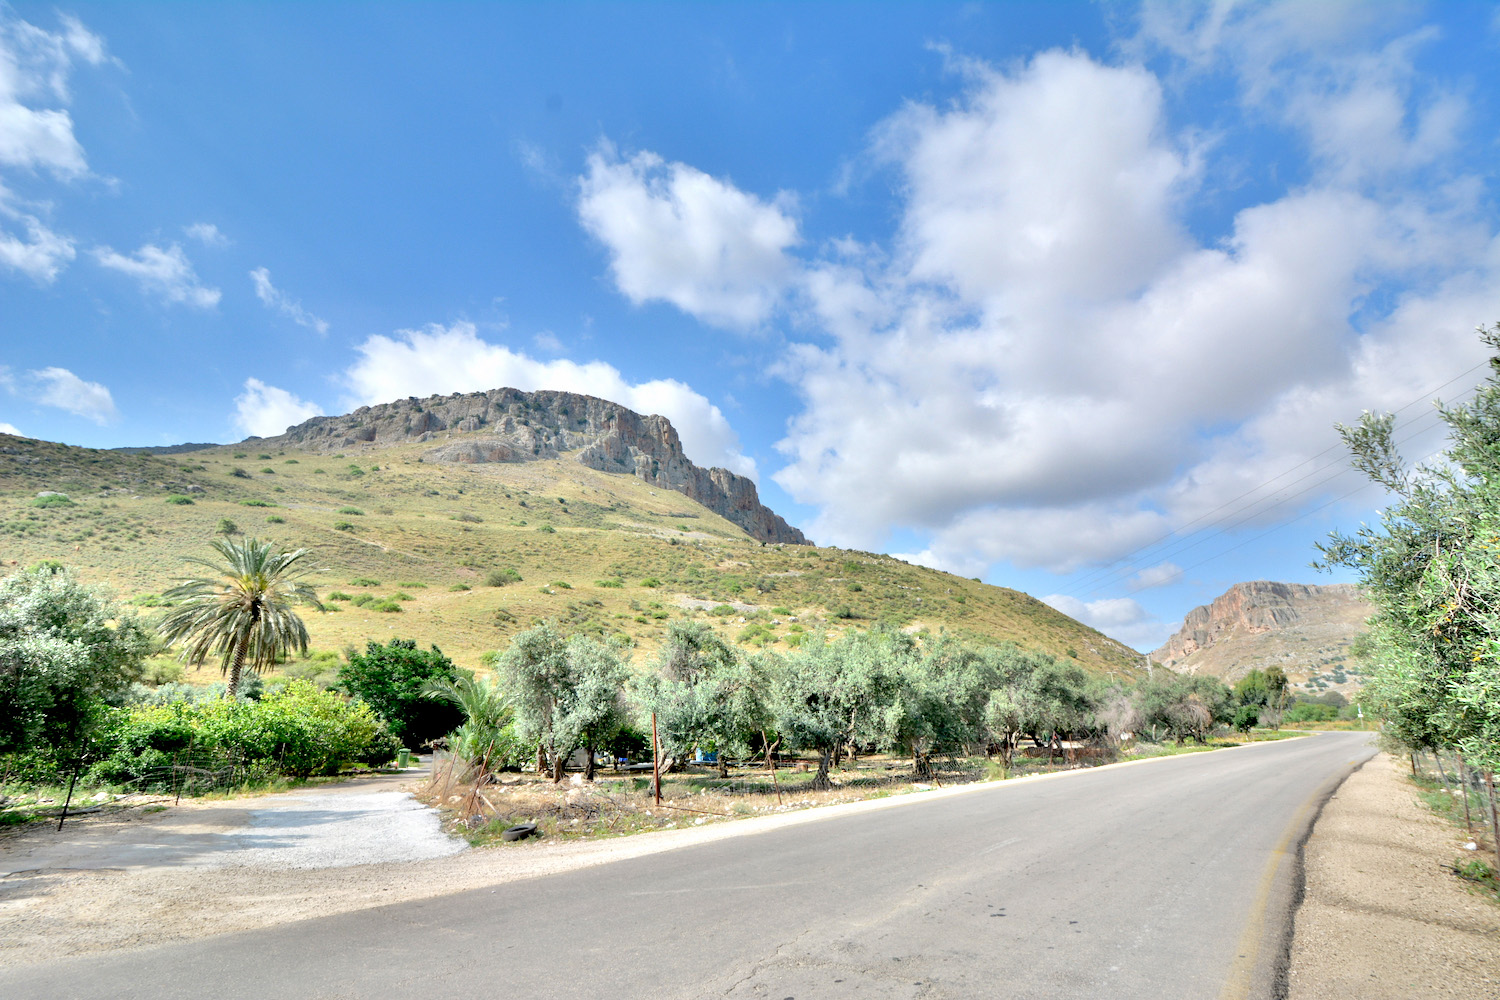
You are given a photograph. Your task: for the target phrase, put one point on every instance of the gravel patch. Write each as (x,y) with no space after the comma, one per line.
(337,829)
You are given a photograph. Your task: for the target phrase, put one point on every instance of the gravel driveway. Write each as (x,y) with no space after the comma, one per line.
(337,828)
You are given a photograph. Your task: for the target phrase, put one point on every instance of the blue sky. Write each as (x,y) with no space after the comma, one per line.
(1066,297)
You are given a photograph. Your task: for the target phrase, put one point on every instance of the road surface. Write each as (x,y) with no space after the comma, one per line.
(1173,878)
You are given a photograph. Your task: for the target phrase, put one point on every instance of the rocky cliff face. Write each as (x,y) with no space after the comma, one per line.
(508,425)
(1306,630)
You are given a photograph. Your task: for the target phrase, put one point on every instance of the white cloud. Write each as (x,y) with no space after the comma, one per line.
(41,254)
(10,429)
(1118,617)
(1054,181)
(1047,370)
(1161,575)
(677,235)
(167,273)
(36,138)
(61,388)
(206,233)
(273,298)
(439,359)
(265,411)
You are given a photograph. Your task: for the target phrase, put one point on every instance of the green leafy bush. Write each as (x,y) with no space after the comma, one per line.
(501,577)
(352,510)
(276,519)
(651,581)
(342,526)
(179,500)
(339,595)
(458,587)
(256,502)
(296,731)
(53,500)
(363,581)
(392,679)
(611,584)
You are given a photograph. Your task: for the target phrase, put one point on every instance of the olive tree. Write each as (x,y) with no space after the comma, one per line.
(564,692)
(65,651)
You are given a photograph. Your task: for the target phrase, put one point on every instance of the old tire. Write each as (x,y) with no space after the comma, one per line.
(519,832)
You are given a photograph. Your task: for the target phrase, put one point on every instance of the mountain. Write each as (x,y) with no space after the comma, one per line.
(463,520)
(1304,629)
(508,425)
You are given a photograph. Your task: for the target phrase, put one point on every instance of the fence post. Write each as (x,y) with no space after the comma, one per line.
(68,801)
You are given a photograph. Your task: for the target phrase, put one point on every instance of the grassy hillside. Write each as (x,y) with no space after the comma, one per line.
(422,547)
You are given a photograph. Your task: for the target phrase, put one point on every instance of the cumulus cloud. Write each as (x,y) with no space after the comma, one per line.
(273,298)
(206,233)
(1160,575)
(10,429)
(36,135)
(1048,370)
(439,359)
(34,69)
(40,254)
(677,235)
(164,272)
(1120,617)
(60,388)
(264,411)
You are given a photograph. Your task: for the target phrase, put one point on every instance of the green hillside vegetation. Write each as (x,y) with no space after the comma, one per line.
(468,556)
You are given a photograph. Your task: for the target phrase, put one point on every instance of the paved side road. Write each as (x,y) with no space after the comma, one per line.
(1164,879)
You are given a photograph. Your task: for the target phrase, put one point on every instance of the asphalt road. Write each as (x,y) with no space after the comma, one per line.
(1166,879)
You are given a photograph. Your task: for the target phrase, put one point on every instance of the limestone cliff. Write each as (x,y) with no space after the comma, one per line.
(1304,629)
(508,425)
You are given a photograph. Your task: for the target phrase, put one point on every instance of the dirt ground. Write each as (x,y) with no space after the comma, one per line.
(1382,920)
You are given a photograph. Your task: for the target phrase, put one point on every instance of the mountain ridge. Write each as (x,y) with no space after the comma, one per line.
(1305,629)
(509,425)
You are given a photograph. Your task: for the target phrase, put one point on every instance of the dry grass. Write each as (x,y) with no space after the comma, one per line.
(634,557)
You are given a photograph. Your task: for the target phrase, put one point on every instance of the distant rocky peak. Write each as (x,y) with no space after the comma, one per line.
(508,425)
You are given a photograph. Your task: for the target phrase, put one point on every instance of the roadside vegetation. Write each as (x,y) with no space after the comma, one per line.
(1432,569)
(95,694)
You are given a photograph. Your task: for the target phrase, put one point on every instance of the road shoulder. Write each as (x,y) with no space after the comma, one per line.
(1381,919)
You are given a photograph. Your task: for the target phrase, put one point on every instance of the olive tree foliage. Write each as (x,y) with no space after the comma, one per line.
(703,694)
(65,650)
(1186,705)
(1429,568)
(840,694)
(565,692)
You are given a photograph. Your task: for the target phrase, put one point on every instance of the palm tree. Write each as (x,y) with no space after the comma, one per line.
(243,612)
(486,714)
